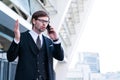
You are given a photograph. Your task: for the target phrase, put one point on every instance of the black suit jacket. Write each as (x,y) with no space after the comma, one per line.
(26,51)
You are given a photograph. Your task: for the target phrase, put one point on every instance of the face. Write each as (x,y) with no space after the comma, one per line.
(40,24)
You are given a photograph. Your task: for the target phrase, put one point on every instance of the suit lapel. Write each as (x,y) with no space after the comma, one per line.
(32,44)
(46,43)
(48,46)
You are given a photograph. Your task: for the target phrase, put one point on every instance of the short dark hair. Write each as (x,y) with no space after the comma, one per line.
(39,14)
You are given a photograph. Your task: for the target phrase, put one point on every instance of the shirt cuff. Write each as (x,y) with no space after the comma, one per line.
(17,42)
(56,41)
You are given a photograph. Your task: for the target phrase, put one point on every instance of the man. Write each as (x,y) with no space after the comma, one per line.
(35,51)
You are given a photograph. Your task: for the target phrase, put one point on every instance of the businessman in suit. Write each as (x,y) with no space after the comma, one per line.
(34,50)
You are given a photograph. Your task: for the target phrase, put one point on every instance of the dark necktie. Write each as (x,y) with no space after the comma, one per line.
(38,42)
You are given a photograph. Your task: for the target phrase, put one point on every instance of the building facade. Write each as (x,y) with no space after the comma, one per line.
(67,16)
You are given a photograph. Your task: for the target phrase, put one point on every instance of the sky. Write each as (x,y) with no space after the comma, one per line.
(102,34)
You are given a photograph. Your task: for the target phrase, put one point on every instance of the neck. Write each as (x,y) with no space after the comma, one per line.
(37,31)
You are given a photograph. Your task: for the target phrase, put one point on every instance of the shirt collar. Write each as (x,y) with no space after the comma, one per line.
(35,35)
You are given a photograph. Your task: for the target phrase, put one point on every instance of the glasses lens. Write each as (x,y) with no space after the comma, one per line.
(43,21)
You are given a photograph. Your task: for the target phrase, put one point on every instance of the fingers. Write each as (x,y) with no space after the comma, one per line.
(52,34)
(16,27)
(17,31)
(51,29)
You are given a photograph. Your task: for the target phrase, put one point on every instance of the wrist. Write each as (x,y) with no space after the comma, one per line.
(16,41)
(55,40)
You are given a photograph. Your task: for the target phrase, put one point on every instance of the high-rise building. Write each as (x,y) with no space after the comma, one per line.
(92,59)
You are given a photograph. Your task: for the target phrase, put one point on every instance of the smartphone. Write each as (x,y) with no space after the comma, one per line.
(48,28)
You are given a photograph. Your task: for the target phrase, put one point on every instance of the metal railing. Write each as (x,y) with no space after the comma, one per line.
(7,69)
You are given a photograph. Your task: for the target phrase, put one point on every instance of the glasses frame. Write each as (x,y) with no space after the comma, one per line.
(43,21)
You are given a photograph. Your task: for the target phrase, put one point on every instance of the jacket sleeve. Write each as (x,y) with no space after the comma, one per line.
(13,51)
(58,52)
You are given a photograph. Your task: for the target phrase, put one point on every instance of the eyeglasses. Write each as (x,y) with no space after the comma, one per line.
(43,21)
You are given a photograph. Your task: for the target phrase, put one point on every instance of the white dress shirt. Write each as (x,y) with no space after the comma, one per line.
(35,35)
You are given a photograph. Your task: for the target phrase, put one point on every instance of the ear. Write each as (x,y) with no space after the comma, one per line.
(33,21)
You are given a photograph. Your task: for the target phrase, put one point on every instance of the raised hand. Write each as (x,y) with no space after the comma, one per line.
(17,31)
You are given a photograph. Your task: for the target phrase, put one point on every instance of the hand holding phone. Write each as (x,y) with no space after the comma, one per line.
(52,33)
(49,29)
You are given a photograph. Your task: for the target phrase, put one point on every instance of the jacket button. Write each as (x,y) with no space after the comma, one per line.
(37,62)
(37,79)
(38,70)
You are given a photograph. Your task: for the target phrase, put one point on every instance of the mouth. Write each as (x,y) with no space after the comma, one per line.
(43,28)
